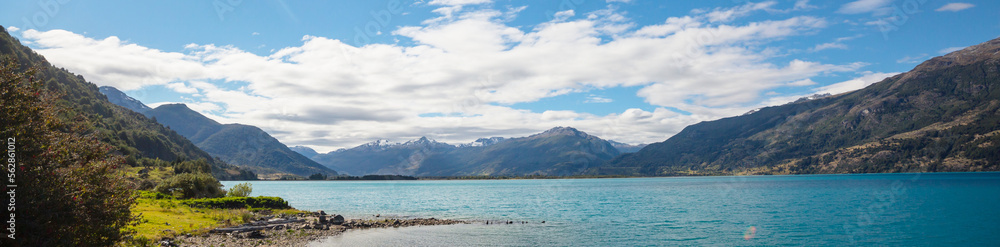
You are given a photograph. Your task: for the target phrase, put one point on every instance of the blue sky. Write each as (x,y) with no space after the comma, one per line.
(338,74)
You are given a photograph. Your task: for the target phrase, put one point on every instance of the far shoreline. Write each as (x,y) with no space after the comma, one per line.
(603,177)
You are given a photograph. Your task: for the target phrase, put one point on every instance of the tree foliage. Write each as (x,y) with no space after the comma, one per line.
(191,185)
(240,190)
(137,138)
(317,176)
(70,190)
(239,202)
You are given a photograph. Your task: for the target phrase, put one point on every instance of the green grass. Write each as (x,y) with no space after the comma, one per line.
(154,174)
(168,217)
(157,213)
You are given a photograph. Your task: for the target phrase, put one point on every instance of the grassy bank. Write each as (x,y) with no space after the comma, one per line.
(163,216)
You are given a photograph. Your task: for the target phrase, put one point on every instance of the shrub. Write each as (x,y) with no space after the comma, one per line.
(167,205)
(240,190)
(191,185)
(192,166)
(152,195)
(239,202)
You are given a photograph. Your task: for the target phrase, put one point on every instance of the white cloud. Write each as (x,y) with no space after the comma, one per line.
(597,99)
(854,84)
(831,45)
(563,15)
(619,1)
(955,7)
(803,5)
(111,62)
(458,2)
(181,88)
(912,59)
(465,70)
(12,29)
(254,34)
(950,49)
(728,14)
(877,7)
(842,39)
(803,82)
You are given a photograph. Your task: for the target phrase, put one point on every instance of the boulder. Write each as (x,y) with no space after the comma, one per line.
(254,234)
(168,243)
(337,220)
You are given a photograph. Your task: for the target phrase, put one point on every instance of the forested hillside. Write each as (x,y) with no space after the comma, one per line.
(243,145)
(142,141)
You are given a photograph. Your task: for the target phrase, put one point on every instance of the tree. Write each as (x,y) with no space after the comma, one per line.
(240,190)
(69,189)
(191,185)
(317,176)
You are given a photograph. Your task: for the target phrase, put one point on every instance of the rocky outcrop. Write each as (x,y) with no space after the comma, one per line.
(296,230)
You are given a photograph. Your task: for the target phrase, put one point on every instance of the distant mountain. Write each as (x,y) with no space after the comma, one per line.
(482,142)
(140,140)
(944,115)
(118,97)
(625,147)
(384,158)
(238,144)
(304,151)
(558,151)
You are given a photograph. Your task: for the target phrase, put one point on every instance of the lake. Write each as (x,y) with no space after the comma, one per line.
(885,209)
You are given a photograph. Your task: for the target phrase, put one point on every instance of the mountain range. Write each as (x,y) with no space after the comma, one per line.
(944,115)
(238,144)
(558,151)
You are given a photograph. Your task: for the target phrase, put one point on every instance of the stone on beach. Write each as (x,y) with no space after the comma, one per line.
(337,220)
(297,231)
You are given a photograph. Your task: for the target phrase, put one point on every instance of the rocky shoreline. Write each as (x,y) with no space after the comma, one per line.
(294,230)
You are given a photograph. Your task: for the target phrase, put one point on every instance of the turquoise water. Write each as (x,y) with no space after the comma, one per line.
(880,209)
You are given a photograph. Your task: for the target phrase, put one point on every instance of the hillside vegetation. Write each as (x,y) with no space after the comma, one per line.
(142,141)
(243,145)
(944,115)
